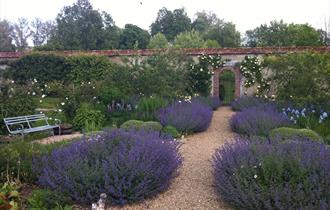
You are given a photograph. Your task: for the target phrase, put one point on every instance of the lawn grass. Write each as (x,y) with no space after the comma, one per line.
(48,103)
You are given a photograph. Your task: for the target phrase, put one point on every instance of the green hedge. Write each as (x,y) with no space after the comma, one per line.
(286,133)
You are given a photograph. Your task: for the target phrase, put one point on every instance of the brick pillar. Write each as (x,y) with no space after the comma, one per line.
(215,84)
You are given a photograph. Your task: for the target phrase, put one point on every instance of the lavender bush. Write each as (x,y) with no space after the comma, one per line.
(258,121)
(259,175)
(245,102)
(213,102)
(126,165)
(186,116)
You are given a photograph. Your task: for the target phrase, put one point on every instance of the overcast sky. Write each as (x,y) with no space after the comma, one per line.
(246,14)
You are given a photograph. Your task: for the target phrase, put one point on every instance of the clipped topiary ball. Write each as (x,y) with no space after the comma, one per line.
(151,126)
(170,130)
(132,124)
(286,133)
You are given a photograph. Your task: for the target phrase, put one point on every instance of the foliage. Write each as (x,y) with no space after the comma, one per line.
(293,73)
(189,39)
(278,33)
(251,69)
(199,75)
(15,101)
(42,67)
(16,160)
(132,124)
(285,133)
(41,31)
(258,121)
(262,175)
(84,68)
(170,23)
(9,196)
(147,107)
(248,101)
(227,86)
(211,44)
(5,36)
(126,165)
(80,27)
(47,199)
(212,101)
(186,116)
(133,37)
(170,130)
(86,115)
(158,41)
(151,126)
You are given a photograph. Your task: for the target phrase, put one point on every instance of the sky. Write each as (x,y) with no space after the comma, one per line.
(246,14)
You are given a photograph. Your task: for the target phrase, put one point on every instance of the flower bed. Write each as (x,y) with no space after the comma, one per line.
(186,116)
(126,165)
(259,175)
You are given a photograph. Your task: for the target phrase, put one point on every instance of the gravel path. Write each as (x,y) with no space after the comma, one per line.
(193,188)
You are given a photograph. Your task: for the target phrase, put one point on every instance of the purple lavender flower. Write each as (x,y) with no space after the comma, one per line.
(126,165)
(258,120)
(186,116)
(262,175)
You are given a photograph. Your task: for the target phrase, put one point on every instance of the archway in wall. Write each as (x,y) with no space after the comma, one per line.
(216,81)
(226,86)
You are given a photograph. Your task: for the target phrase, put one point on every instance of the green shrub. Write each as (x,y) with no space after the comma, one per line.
(170,130)
(43,67)
(9,196)
(132,124)
(88,67)
(47,199)
(286,133)
(151,126)
(87,115)
(148,106)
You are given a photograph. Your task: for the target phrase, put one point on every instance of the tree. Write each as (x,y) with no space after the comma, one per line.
(5,36)
(213,28)
(20,33)
(171,23)
(80,27)
(133,36)
(189,39)
(41,31)
(158,41)
(278,33)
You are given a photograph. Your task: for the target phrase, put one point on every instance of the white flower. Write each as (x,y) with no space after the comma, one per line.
(40,101)
(62,103)
(46,85)
(35,80)
(89,83)
(43,96)
(179,101)
(255,176)
(93,87)
(12,81)
(33,93)
(60,110)
(94,97)
(66,98)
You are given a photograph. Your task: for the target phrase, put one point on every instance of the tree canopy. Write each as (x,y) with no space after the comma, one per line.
(5,38)
(278,33)
(133,36)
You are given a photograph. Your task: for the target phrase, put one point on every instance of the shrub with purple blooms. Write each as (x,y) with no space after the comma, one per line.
(260,175)
(186,116)
(126,165)
(212,101)
(258,121)
(245,102)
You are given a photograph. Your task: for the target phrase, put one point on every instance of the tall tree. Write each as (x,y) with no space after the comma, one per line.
(41,31)
(158,41)
(213,28)
(81,27)
(278,33)
(133,36)
(189,39)
(5,36)
(171,23)
(20,33)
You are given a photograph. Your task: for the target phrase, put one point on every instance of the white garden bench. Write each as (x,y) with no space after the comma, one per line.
(25,124)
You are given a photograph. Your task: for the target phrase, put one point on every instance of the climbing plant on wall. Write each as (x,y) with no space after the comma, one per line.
(200,73)
(251,69)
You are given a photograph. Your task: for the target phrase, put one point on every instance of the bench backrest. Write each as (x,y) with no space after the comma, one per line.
(9,121)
